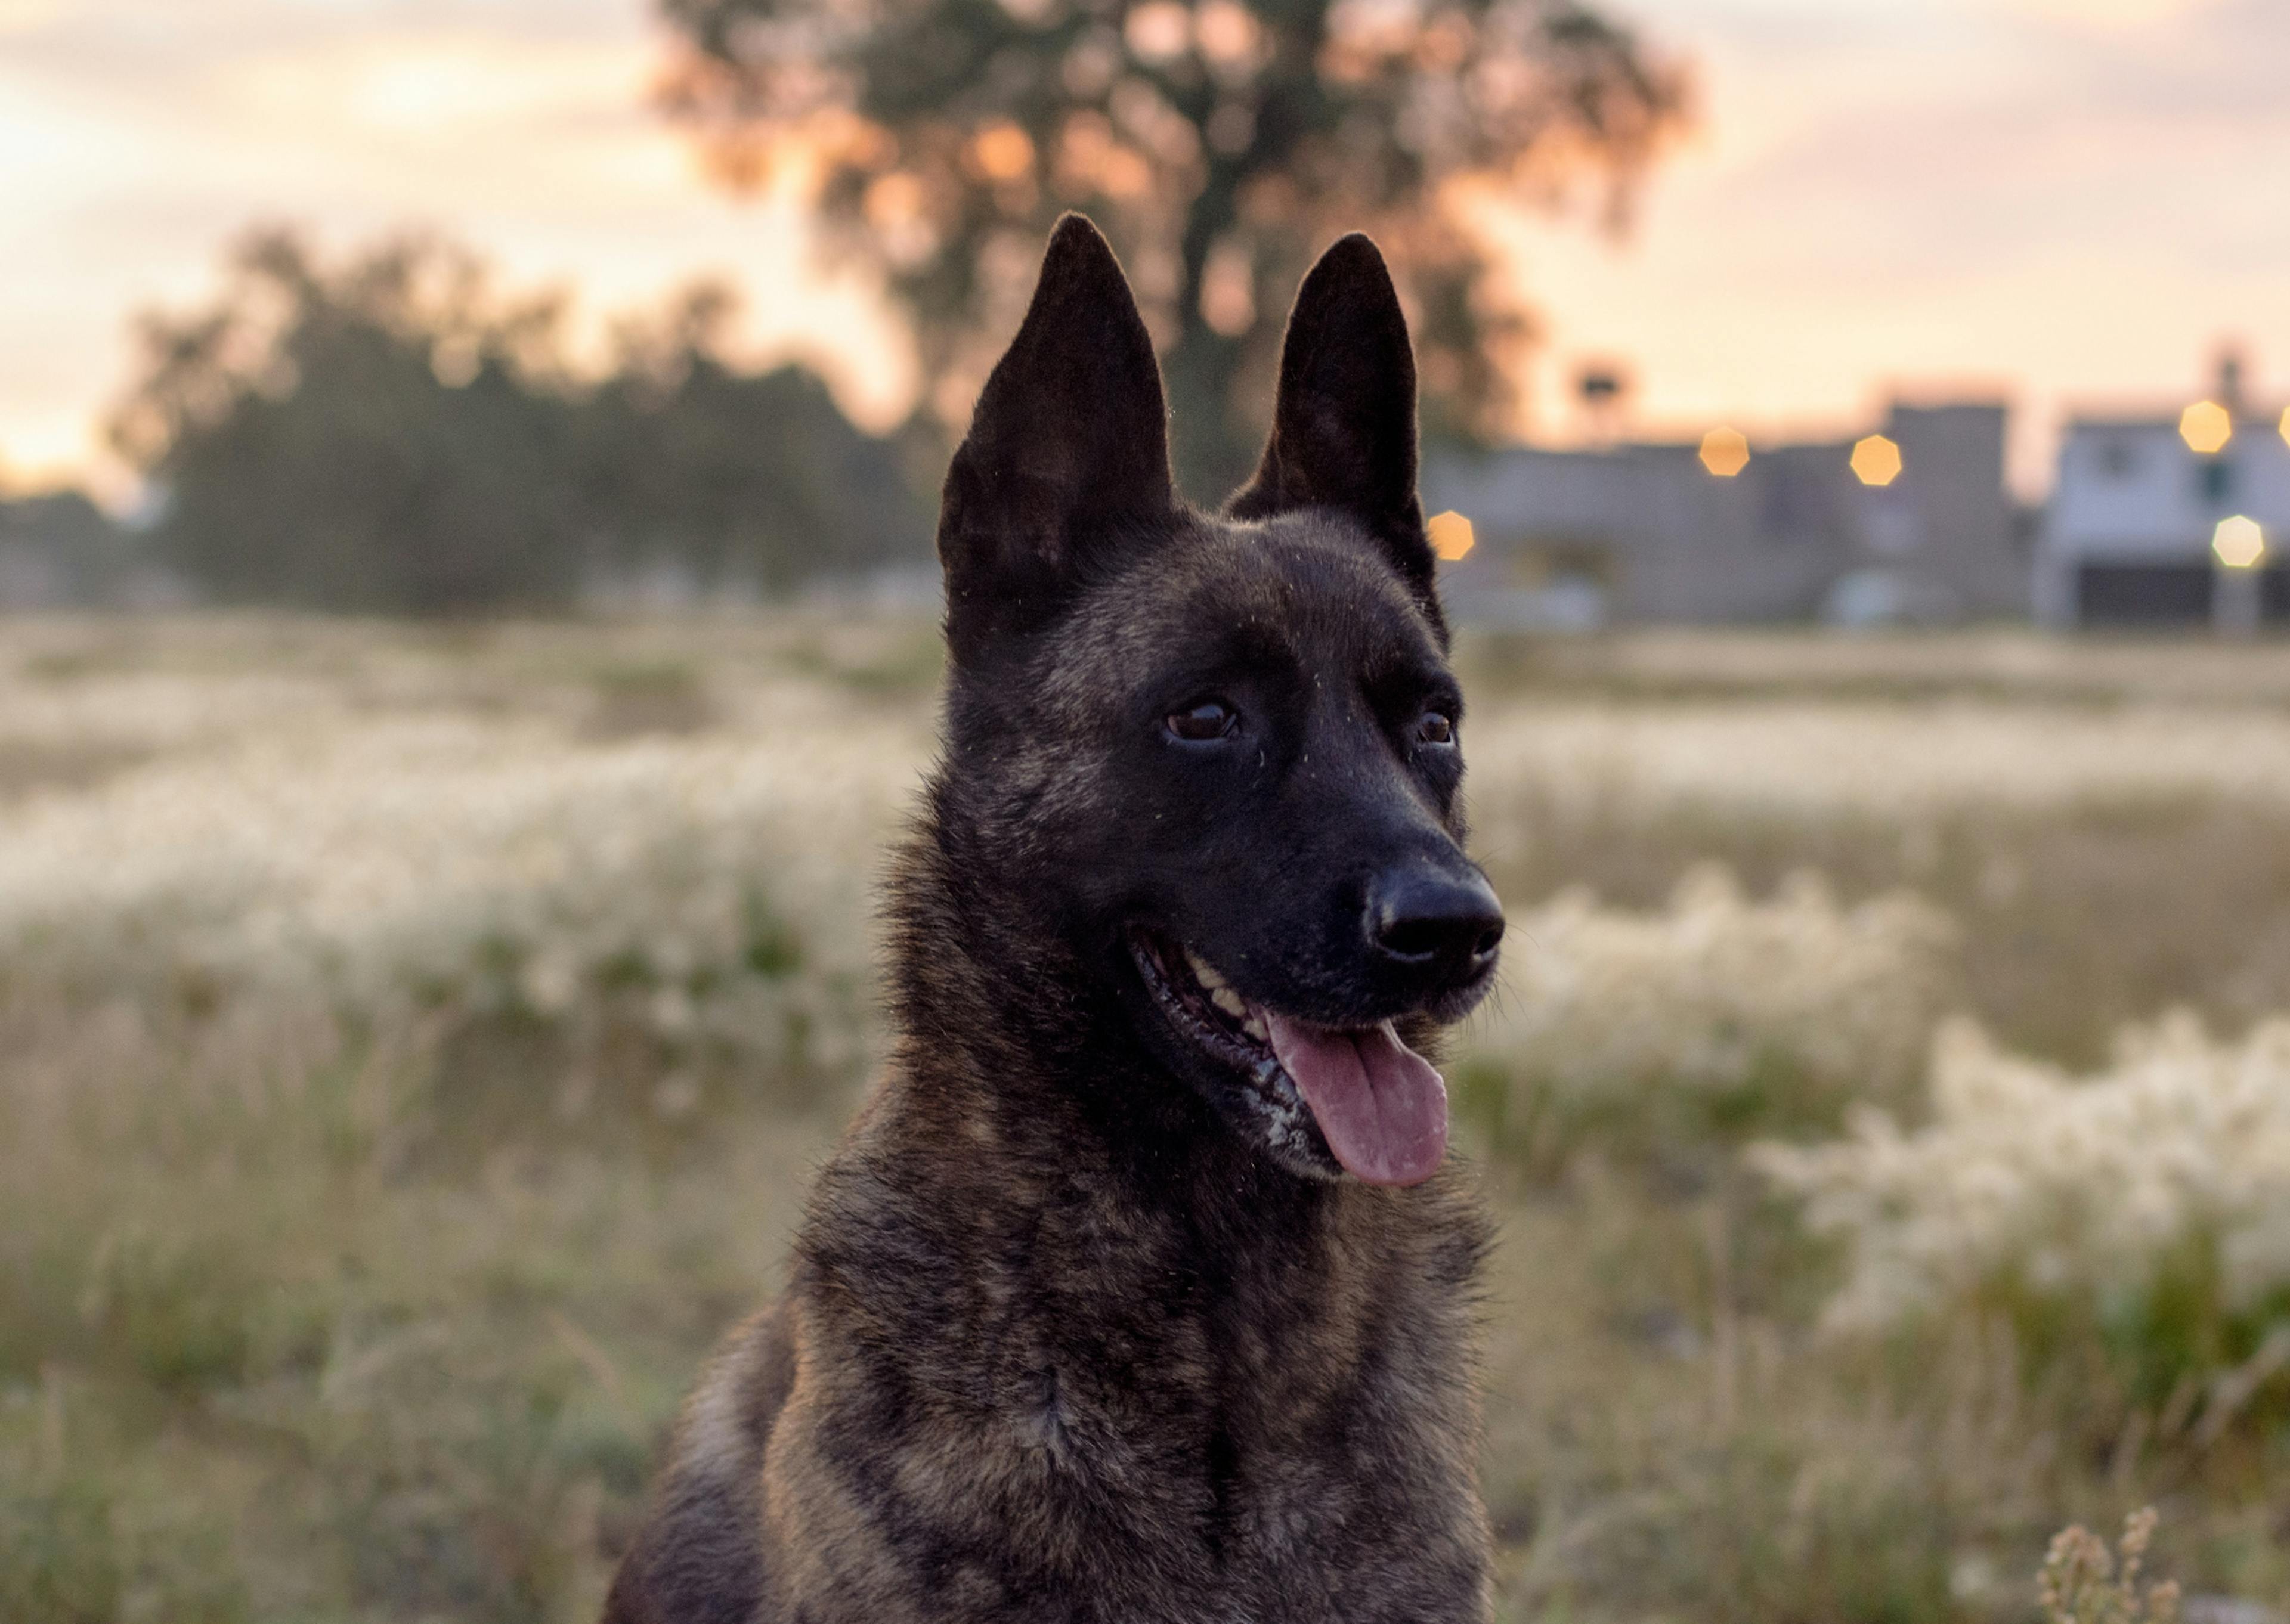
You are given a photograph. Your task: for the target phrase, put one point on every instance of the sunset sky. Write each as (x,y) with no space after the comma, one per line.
(2068,201)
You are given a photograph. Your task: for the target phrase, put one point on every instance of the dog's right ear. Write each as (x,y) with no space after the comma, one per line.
(1068,451)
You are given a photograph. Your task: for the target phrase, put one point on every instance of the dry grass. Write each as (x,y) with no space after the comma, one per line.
(374,1307)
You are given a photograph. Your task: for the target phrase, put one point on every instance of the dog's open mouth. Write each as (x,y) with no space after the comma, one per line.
(1381,1107)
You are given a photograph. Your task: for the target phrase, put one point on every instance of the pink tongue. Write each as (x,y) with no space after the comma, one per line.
(1380,1106)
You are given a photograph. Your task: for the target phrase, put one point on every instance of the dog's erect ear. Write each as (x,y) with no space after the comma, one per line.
(1344,427)
(1068,451)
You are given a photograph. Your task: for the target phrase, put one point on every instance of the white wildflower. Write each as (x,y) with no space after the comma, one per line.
(1908,763)
(381,862)
(1718,994)
(2083,1188)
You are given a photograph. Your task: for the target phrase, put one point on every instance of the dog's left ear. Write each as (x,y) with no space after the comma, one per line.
(1344,426)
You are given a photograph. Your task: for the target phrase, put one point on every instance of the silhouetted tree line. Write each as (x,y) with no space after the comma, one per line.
(392,434)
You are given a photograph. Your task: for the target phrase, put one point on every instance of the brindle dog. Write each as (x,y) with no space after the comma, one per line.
(1138,1292)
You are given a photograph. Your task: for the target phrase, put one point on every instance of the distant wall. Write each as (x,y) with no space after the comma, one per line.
(1650,533)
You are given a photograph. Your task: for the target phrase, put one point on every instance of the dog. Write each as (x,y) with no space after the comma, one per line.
(1139,1289)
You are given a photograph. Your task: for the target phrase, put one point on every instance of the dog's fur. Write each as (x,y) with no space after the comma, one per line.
(1081,1325)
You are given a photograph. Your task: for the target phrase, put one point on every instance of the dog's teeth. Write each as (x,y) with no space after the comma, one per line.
(1202,974)
(1254,1027)
(1230,1002)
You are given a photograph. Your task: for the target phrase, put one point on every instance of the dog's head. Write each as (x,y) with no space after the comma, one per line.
(1219,755)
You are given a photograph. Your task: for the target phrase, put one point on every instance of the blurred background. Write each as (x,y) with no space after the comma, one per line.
(466,477)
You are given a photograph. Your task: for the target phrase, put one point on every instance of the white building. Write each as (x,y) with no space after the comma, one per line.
(2127,539)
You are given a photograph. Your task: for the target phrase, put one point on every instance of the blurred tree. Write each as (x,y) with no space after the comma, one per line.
(384,438)
(394,436)
(753,478)
(1218,142)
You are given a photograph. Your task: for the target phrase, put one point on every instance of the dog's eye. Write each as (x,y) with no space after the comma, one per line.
(1209,719)
(1435,727)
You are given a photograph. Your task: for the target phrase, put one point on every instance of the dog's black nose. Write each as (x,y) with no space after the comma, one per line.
(1429,918)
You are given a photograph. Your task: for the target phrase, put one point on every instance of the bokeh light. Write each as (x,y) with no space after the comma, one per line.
(2286,425)
(1226,33)
(2206,427)
(1002,152)
(1724,452)
(1877,460)
(2238,541)
(1158,31)
(1451,535)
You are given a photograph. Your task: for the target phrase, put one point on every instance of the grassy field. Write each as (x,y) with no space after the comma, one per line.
(413,1045)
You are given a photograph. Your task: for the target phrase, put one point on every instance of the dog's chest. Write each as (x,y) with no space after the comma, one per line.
(1175,1433)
